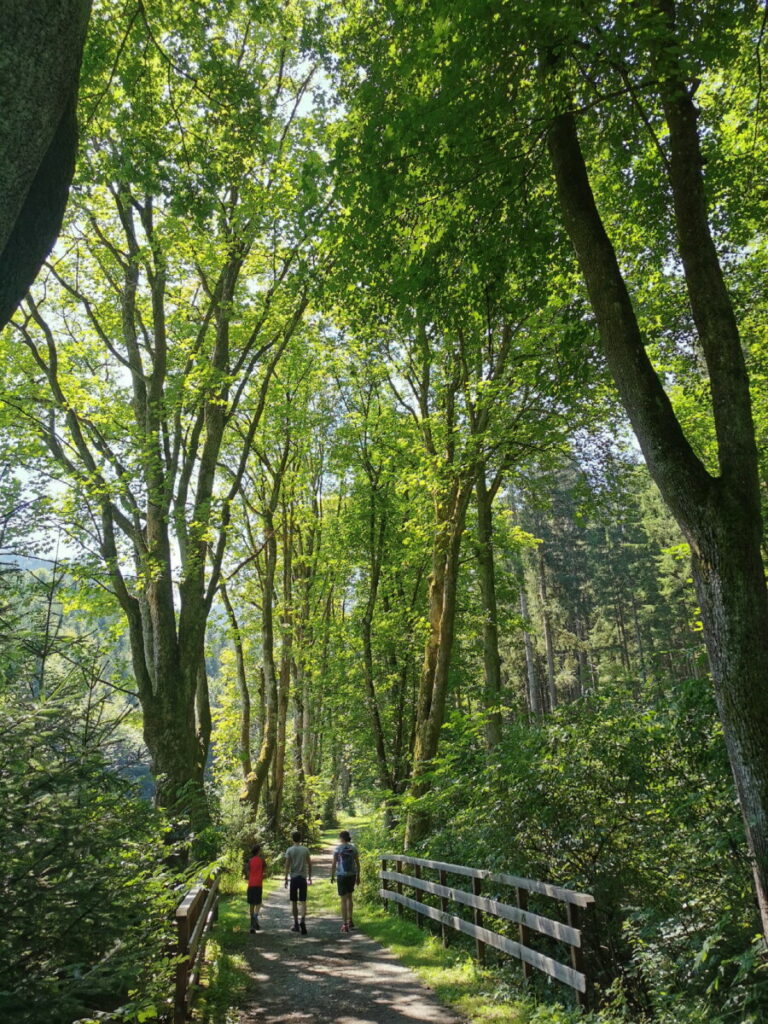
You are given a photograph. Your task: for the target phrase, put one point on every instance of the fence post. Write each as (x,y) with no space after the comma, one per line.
(522,904)
(214,876)
(182,970)
(417,895)
(577,953)
(477,887)
(444,908)
(383,880)
(399,886)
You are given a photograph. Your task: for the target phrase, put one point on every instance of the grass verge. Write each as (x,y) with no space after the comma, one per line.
(481,995)
(226,976)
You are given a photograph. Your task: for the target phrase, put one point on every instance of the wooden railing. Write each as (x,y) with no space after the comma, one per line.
(570,933)
(195,916)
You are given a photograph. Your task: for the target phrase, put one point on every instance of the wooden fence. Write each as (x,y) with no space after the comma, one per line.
(570,933)
(195,916)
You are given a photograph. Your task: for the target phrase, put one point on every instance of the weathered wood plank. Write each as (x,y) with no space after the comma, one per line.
(574,979)
(477,884)
(543,925)
(556,892)
(205,919)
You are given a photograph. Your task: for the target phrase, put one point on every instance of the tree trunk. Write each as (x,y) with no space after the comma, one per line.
(376,535)
(242,685)
(433,688)
(487,573)
(535,701)
(546,621)
(287,626)
(255,781)
(40,52)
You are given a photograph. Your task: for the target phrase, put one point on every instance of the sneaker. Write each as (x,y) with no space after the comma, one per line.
(345,927)
(253,931)
(294,927)
(256,925)
(303,928)
(351,924)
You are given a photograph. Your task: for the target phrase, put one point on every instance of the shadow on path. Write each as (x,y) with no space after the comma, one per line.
(327,977)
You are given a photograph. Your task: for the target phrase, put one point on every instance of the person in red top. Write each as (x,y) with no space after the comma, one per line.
(255,867)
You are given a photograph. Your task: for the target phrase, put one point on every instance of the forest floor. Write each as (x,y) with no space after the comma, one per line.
(325,977)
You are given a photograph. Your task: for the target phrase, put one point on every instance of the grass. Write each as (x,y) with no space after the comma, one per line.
(481,995)
(226,977)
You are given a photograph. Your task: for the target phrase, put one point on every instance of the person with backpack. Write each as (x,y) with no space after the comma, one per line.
(345,868)
(255,866)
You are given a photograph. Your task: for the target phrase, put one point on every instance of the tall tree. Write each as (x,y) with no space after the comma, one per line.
(162,320)
(610,91)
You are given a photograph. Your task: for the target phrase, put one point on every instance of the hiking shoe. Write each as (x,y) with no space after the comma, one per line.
(294,927)
(303,928)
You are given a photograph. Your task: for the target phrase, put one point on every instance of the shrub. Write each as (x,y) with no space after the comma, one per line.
(86,898)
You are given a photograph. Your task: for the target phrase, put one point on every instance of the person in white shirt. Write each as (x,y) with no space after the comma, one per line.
(298,868)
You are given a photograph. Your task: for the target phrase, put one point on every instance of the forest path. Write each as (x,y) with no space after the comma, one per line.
(326,977)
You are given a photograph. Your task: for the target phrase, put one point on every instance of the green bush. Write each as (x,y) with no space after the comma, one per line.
(631,799)
(86,899)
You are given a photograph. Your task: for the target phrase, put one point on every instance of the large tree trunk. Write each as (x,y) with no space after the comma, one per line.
(486,568)
(720,516)
(176,716)
(41,48)
(433,688)
(255,781)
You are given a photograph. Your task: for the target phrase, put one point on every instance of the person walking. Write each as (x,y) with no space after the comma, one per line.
(345,868)
(255,866)
(298,868)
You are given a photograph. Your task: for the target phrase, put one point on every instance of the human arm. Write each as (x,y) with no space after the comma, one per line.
(286,873)
(309,869)
(333,864)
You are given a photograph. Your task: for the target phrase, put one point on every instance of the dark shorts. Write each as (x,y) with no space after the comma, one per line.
(346,884)
(254,894)
(298,890)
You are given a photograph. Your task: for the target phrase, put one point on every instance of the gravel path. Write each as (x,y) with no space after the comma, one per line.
(326,977)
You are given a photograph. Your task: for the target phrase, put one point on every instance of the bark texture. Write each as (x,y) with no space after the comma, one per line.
(40,53)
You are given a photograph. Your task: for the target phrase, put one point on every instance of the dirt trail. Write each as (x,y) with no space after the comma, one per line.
(326,977)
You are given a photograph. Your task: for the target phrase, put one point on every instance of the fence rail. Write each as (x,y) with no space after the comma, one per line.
(570,933)
(195,916)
